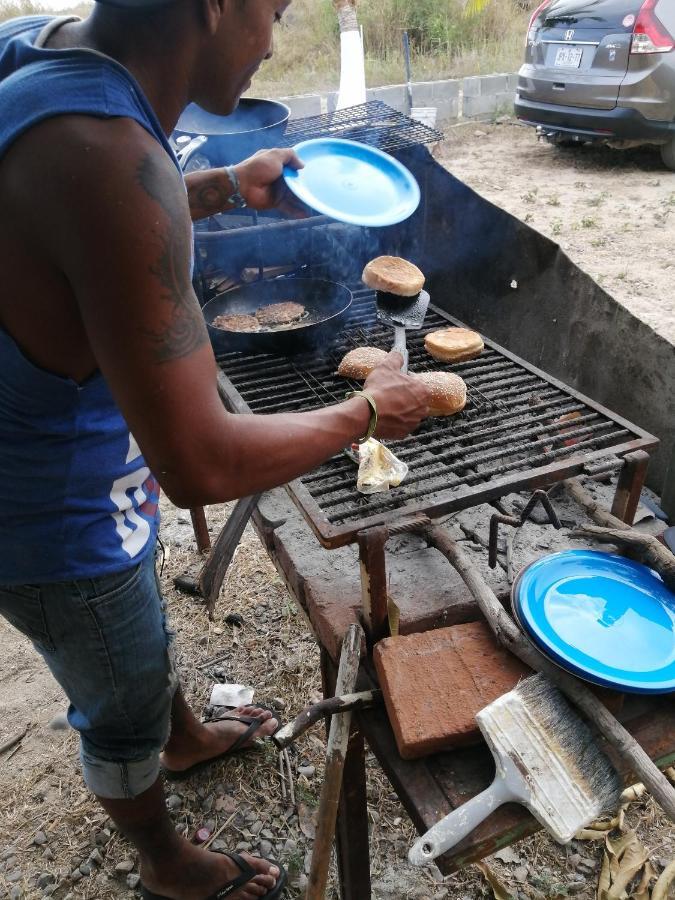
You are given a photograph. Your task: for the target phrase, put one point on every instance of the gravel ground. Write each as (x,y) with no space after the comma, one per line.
(611,211)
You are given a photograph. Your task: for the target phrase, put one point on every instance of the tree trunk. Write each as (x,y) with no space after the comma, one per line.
(346,13)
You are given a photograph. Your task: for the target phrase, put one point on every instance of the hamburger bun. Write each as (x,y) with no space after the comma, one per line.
(453,345)
(359,363)
(448,392)
(393,275)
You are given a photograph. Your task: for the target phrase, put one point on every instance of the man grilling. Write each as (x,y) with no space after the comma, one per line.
(108,387)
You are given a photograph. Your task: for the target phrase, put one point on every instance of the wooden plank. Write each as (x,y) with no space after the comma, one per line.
(374,582)
(336,755)
(351,834)
(628,490)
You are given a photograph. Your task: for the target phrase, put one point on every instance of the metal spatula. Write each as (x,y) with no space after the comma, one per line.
(401,313)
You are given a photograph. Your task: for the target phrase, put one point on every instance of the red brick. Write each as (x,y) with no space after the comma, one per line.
(435,683)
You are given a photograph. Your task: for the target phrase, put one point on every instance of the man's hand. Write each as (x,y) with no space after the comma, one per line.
(261,183)
(402,402)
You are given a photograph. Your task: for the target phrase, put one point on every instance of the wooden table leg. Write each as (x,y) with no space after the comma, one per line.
(201,529)
(353,844)
(629,488)
(351,831)
(374,582)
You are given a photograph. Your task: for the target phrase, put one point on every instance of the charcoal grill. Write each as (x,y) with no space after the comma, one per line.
(521,429)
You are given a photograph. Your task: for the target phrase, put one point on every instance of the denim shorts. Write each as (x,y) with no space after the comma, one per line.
(106,642)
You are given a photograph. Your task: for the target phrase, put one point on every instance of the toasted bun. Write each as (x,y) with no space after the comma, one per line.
(359,363)
(394,275)
(448,392)
(454,344)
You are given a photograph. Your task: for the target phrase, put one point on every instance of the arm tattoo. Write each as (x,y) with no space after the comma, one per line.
(208,194)
(181,330)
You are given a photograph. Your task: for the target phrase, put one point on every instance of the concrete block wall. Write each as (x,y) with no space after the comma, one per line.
(477,97)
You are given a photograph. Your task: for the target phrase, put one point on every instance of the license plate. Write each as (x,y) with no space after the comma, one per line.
(570,57)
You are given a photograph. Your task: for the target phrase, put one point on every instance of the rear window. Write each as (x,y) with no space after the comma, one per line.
(591,13)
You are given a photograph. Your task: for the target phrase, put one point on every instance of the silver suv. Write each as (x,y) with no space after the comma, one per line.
(601,70)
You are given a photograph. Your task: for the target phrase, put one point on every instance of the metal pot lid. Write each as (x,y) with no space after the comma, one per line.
(602,617)
(353,183)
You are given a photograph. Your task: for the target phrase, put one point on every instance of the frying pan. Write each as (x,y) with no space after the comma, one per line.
(327,305)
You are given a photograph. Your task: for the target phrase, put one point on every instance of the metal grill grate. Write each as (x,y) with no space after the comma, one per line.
(372,123)
(520,429)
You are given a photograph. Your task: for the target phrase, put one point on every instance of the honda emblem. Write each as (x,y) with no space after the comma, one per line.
(569,34)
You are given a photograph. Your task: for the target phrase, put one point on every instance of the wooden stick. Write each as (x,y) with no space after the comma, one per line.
(289,769)
(317,711)
(215,568)
(282,776)
(14,740)
(638,546)
(338,740)
(509,635)
(580,495)
(217,834)
(200,528)
(644,548)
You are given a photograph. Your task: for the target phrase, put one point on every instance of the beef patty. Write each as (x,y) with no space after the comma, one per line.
(235,322)
(280,313)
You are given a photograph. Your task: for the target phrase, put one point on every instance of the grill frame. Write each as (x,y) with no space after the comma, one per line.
(438,503)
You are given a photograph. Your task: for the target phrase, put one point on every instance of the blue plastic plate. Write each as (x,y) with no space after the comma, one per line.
(602,617)
(353,183)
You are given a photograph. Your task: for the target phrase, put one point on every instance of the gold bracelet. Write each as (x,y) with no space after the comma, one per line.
(372,425)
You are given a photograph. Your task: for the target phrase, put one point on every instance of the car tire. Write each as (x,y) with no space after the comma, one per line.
(668,154)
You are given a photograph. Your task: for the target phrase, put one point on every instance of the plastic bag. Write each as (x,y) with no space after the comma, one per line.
(379,469)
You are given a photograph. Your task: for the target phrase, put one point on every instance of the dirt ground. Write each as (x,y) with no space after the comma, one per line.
(612,211)
(615,216)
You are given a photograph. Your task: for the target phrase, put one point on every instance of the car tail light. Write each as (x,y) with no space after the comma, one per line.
(649,34)
(531,30)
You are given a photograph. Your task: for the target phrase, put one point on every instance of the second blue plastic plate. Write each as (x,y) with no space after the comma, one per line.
(353,183)
(602,617)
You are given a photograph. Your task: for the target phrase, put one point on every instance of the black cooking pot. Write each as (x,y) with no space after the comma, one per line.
(326,303)
(254,125)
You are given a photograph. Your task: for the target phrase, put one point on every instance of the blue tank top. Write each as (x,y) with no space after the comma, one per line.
(77,499)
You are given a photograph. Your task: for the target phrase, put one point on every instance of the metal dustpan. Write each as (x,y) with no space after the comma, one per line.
(401,313)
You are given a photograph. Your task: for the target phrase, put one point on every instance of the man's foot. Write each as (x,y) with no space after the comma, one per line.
(213,739)
(194,874)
